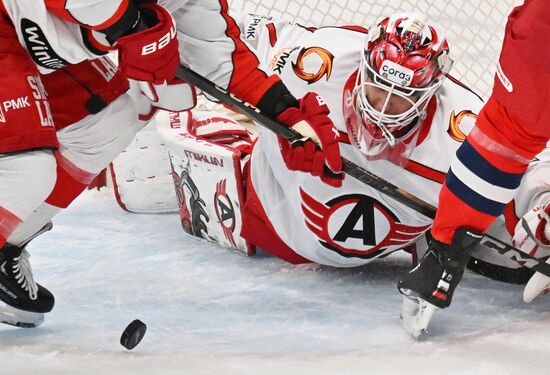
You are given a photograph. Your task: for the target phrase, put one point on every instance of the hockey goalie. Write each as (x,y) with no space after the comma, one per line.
(398,112)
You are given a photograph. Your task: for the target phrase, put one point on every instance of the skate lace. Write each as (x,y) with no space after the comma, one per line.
(23,274)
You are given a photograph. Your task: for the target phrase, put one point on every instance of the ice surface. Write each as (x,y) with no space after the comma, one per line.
(212,311)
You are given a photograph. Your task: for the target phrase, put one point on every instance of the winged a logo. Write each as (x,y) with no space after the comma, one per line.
(357,225)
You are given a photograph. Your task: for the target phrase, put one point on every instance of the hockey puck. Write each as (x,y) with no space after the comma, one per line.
(133,334)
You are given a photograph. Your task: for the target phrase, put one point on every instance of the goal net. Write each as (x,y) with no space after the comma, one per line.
(474,28)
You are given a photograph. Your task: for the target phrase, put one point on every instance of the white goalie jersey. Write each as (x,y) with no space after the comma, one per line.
(354,224)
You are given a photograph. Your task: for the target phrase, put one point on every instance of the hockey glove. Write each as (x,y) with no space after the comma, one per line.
(176,96)
(532,235)
(318,147)
(151,52)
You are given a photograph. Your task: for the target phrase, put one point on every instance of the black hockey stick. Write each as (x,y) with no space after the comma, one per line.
(291,135)
(508,251)
(353,169)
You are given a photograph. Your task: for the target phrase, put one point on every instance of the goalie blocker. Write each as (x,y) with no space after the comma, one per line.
(208,152)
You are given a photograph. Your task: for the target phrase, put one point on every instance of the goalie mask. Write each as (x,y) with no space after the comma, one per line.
(402,66)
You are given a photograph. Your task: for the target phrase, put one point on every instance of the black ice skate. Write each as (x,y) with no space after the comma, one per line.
(26,300)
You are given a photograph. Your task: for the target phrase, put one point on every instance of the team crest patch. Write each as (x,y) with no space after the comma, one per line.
(356,225)
(460,124)
(323,70)
(225,211)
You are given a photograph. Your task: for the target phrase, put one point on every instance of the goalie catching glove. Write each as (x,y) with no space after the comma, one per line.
(319,144)
(532,236)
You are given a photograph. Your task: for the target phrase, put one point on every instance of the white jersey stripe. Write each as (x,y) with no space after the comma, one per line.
(490,191)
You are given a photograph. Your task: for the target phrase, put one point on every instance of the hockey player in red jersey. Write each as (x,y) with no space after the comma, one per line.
(86,144)
(511,130)
(33,40)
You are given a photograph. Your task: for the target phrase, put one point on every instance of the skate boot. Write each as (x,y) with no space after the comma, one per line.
(26,300)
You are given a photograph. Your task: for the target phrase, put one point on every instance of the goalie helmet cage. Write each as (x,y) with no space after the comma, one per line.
(474,28)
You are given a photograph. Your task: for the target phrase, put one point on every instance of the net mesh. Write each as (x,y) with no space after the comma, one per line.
(474,28)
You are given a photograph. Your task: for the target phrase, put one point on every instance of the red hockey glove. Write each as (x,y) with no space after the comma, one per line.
(151,54)
(311,120)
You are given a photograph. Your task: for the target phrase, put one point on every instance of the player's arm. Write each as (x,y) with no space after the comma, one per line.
(142,32)
(265,34)
(113,17)
(215,50)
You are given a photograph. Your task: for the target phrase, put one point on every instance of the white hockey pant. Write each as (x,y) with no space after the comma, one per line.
(86,148)
(26,180)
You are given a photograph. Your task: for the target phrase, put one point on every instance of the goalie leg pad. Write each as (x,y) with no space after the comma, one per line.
(207,173)
(141,175)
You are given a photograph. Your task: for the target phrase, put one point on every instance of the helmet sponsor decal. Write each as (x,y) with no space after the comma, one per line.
(396,73)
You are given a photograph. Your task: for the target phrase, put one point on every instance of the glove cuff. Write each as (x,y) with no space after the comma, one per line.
(276,100)
(124,26)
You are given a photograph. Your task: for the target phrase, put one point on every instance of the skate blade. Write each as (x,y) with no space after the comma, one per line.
(20,318)
(416,315)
